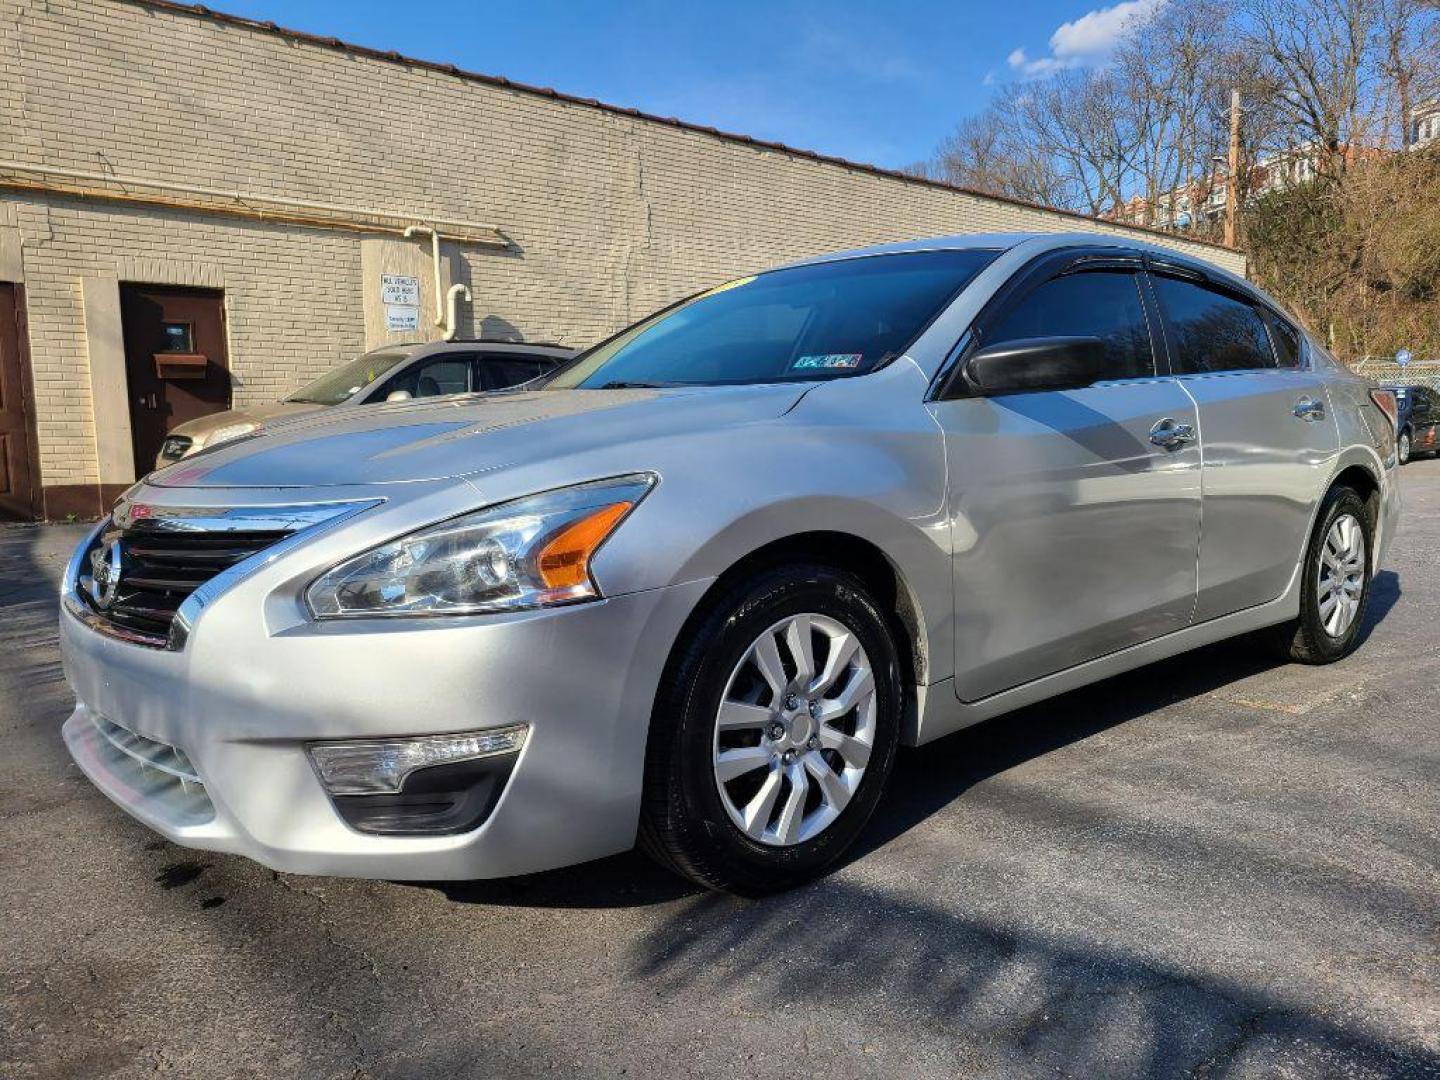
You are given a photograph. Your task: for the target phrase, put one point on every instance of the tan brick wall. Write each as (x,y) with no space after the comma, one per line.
(610,215)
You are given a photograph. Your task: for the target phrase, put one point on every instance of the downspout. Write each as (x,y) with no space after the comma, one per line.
(411,230)
(452,318)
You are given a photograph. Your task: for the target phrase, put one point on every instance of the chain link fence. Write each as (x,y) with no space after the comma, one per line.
(1384,371)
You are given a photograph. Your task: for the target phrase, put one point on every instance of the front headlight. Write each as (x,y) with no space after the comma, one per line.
(230,432)
(533,552)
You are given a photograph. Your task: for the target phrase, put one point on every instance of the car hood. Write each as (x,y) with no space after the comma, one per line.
(416,441)
(260,414)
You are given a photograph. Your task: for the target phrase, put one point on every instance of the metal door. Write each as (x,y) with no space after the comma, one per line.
(176,364)
(19,474)
(1075,514)
(1269,440)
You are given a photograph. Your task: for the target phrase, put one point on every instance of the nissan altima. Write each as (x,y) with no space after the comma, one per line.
(696,591)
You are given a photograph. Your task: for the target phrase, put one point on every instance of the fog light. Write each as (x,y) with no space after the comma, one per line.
(380,766)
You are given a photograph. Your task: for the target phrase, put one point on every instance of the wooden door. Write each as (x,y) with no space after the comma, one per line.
(176,366)
(19,471)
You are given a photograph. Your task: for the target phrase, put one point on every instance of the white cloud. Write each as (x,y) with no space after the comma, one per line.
(1090,39)
(1095,34)
(1039,66)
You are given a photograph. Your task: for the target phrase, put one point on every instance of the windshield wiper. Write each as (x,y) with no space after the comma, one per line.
(620,384)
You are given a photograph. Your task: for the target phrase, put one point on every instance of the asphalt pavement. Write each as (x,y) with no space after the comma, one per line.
(1213,867)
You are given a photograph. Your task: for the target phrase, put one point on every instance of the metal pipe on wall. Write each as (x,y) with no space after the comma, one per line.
(452,316)
(410,231)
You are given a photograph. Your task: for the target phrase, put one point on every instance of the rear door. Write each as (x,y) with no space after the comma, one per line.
(1268,438)
(1074,534)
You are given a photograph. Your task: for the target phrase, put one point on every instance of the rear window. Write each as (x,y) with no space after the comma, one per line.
(825,321)
(1286,339)
(1212,331)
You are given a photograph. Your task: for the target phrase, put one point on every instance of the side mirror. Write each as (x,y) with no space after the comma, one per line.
(1053,363)
(399,395)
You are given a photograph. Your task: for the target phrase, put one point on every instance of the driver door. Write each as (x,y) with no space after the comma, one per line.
(1074,533)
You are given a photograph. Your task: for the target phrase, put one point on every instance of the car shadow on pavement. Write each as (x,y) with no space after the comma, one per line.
(937,774)
(927,780)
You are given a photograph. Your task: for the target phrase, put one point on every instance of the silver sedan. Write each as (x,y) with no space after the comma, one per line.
(700,588)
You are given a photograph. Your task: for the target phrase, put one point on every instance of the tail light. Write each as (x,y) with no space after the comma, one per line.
(1388,404)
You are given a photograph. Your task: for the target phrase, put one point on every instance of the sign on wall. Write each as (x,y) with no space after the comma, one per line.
(400,289)
(402,317)
(401,296)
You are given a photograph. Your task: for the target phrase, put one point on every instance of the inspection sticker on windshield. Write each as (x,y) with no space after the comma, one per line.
(828,362)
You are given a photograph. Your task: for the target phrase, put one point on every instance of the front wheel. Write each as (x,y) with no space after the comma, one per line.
(774,732)
(1335,584)
(1402,448)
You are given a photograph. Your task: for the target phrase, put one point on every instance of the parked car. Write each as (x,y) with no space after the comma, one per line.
(394,372)
(1418,421)
(700,586)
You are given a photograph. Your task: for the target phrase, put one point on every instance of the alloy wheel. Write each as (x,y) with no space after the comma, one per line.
(795,729)
(1340,577)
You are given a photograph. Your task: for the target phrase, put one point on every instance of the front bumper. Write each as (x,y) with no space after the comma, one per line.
(244,697)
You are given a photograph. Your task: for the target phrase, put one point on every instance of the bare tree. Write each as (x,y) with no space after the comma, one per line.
(1320,54)
(1167,71)
(1409,60)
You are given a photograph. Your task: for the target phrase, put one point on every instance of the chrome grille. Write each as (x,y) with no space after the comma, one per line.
(160,568)
(145,574)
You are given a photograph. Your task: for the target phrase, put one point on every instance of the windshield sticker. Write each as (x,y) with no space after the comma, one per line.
(828,362)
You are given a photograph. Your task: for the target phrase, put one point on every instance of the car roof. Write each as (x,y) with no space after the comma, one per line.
(1041,242)
(548,349)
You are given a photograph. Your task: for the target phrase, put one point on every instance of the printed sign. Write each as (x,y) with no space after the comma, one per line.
(399,289)
(1403,357)
(402,317)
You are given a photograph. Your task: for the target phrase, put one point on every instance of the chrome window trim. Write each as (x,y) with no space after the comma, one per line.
(305,519)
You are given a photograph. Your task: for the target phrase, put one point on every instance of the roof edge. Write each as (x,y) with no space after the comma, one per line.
(200,11)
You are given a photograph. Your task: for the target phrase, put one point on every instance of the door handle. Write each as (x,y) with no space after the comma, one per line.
(1170,435)
(1309,410)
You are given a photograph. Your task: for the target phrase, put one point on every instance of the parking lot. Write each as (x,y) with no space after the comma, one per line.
(1213,867)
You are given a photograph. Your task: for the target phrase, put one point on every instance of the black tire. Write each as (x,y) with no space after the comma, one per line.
(1305,639)
(684,824)
(1402,447)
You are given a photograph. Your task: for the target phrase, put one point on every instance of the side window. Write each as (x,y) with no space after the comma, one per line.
(500,372)
(444,375)
(1094,303)
(1211,331)
(1286,340)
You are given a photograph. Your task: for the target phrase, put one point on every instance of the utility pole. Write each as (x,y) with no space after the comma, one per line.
(1232,195)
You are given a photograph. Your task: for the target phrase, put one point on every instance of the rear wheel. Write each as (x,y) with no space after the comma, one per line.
(774,733)
(1402,447)
(1335,583)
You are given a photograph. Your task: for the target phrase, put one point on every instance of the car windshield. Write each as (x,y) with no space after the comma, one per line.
(348,379)
(823,321)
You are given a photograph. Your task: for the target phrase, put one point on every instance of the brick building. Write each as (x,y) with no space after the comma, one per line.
(266,178)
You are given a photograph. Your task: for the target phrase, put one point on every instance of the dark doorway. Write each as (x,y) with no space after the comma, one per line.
(176,366)
(19,469)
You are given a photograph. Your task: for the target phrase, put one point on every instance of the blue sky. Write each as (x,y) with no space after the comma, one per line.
(874,82)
